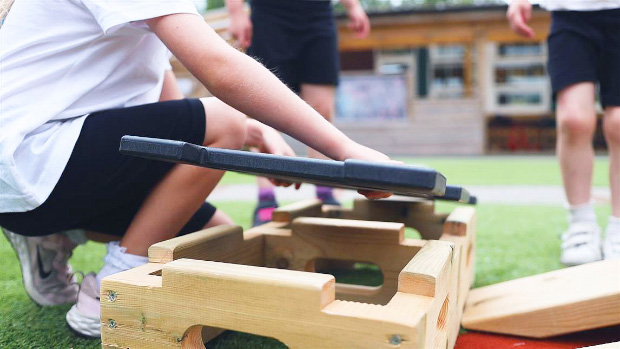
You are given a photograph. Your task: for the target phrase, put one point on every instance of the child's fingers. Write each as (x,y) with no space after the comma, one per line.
(281,183)
(374,195)
(248,37)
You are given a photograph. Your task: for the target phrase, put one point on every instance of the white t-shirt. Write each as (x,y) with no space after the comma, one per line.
(63,59)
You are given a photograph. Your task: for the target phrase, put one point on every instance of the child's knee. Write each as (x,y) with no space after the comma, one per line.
(575,122)
(611,125)
(234,137)
(225,126)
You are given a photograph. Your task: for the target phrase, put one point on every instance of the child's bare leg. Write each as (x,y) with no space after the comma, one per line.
(611,129)
(576,119)
(576,116)
(321,98)
(219,218)
(175,199)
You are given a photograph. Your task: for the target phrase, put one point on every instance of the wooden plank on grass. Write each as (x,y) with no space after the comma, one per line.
(559,302)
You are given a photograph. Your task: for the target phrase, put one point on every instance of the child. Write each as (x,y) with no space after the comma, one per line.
(76,77)
(584,48)
(297,40)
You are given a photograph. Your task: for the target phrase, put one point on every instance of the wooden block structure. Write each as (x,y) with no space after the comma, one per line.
(261,281)
(563,301)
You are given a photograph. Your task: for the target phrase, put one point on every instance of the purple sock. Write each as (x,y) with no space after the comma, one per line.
(324,193)
(266,194)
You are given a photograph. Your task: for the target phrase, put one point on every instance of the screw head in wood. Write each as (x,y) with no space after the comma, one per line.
(111,323)
(111,296)
(396,339)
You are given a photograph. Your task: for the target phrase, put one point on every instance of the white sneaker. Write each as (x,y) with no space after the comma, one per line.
(611,245)
(581,244)
(84,317)
(47,275)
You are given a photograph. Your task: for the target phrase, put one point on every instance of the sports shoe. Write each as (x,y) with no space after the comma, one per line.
(326,195)
(47,275)
(263,212)
(581,244)
(611,245)
(84,316)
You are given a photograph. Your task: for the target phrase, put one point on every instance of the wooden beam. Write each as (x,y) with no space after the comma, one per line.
(306,208)
(559,302)
(225,243)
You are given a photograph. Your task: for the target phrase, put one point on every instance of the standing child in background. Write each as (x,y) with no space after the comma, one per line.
(76,77)
(584,48)
(296,40)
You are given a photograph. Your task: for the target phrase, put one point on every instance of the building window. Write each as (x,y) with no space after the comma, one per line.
(371,97)
(520,49)
(447,71)
(516,79)
(519,99)
(520,74)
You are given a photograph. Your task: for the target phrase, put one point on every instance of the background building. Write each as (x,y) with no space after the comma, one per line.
(452,80)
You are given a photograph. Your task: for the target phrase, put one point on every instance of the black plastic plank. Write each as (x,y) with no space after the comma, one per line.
(454,193)
(352,174)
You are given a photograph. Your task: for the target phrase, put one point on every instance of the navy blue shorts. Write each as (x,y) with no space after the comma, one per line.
(296,40)
(585,46)
(100,189)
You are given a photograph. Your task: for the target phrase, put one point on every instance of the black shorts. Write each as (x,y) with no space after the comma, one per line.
(100,189)
(296,40)
(585,46)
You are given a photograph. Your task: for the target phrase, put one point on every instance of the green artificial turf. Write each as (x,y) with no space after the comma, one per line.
(487,170)
(512,242)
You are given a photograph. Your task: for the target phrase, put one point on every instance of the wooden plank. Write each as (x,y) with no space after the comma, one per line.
(460,229)
(428,274)
(550,304)
(224,243)
(306,208)
(298,308)
(350,231)
(380,243)
(183,302)
(416,214)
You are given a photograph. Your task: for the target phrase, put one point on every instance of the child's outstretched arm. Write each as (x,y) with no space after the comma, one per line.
(246,85)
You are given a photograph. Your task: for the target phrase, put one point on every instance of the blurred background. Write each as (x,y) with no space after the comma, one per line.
(440,77)
(440,83)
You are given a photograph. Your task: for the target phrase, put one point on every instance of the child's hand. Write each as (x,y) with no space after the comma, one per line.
(273,143)
(358,21)
(360,152)
(241,28)
(265,139)
(519,13)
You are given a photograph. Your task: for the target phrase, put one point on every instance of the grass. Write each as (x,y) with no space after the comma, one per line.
(489,170)
(513,241)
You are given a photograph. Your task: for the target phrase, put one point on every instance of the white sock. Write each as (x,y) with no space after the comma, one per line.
(583,213)
(117,260)
(613,226)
